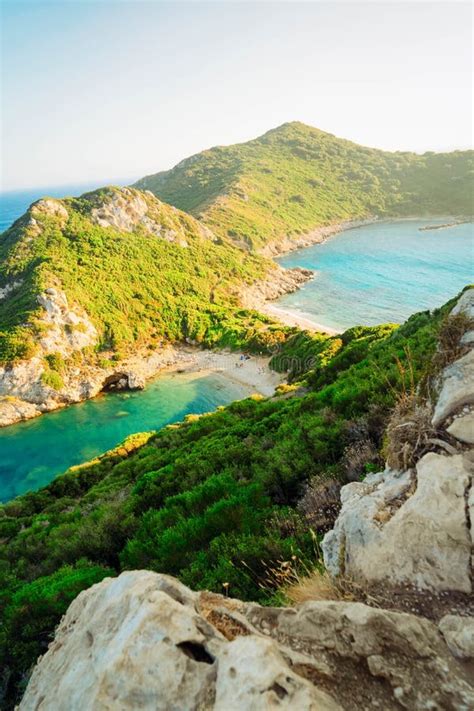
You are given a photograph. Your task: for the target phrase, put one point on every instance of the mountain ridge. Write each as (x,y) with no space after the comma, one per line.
(295,178)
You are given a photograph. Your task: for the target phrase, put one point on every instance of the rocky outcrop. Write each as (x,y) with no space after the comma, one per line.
(144,640)
(416,526)
(49,206)
(126,210)
(66,329)
(24,395)
(459,635)
(316,236)
(279,281)
(406,527)
(25,392)
(8,288)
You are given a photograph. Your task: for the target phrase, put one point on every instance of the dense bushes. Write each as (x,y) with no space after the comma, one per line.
(296,177)
(214,499)
(137,288)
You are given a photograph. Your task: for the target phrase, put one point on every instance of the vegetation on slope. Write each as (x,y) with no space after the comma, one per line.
(215,499)
(137,287)
(295,178)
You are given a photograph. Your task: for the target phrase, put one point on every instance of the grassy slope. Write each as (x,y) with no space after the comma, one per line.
(211,500)
(295,178)
(136,288)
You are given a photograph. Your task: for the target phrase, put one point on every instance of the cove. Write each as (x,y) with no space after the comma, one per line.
(32,453)
(382,272)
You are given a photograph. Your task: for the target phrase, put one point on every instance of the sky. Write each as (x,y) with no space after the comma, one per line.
(111,90)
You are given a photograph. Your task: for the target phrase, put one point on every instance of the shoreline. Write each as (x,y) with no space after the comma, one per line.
(250,373)
(316,236)
(265,299)
(292,317)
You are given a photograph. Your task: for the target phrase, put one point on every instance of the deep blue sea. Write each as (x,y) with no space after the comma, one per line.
(382,272)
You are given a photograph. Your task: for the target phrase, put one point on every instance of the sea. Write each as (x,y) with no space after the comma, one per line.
(378,273)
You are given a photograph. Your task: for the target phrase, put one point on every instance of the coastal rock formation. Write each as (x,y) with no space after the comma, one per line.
(49,206)
(24,394)
(279,282)
(66,330)
(417,526)
(144,640)
(316,236)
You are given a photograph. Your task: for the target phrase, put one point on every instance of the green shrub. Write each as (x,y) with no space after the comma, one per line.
(52,379)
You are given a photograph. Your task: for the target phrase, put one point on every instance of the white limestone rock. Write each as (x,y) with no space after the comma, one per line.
(463,428)
(50,206)
(253,675)
(457,388)
(13,409)
(9,287)
(68,330)
(459,635)
(136,641)
(457,380)
(145,641)
(424,541)
(465,304)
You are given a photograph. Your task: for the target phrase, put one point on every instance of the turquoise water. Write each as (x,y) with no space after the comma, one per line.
(32,453)
(382,272)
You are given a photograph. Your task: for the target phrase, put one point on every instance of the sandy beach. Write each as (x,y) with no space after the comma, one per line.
(295,318)
(252,373)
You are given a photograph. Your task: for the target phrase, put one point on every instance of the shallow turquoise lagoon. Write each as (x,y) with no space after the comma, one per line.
(382,272)
(32,453)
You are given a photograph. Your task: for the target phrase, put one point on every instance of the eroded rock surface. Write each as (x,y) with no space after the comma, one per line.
(459,635)
(425,541)
(280,281)
(144,640)
(126,209)
(416,527)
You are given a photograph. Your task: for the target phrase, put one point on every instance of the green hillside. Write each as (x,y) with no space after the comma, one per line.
(295,178)
(221,498)
(141,271)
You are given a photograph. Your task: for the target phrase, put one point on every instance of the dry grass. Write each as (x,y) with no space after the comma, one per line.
(318,585)
(409,432)
(452,329)
(320,504)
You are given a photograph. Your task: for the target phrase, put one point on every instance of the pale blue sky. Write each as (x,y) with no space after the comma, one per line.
(107,90)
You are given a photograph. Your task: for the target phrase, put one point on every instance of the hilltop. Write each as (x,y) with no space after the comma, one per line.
(87,282)
(237,501)
(295,179)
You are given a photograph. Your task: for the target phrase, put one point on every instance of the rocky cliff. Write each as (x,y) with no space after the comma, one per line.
(144,640)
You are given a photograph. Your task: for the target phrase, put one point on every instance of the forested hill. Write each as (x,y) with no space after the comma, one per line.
(223,498)
(135,270)
(295,178)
